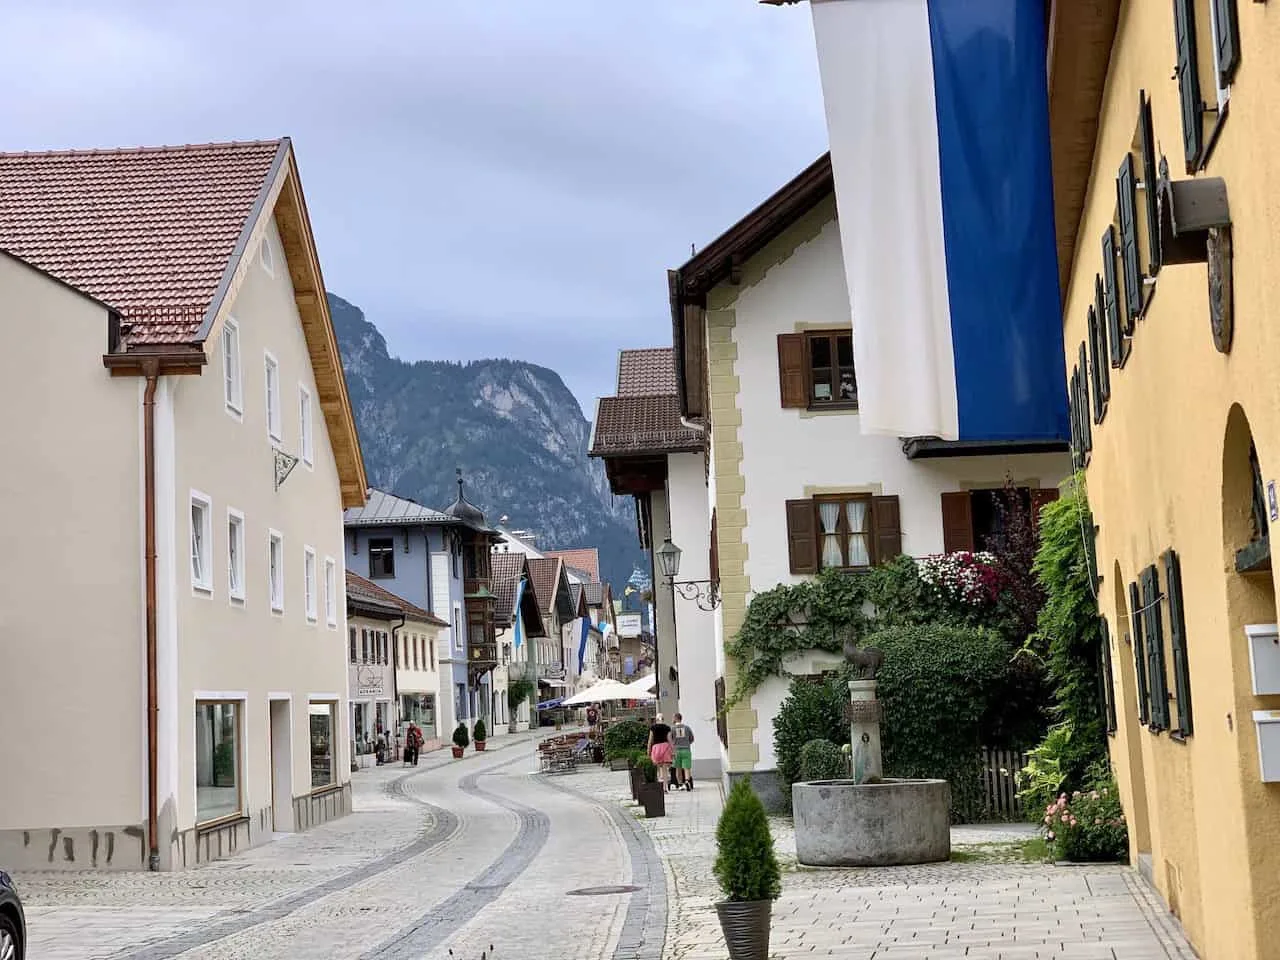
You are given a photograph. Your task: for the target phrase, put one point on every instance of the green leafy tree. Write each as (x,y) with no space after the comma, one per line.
(518,692)
(811,711)
(822,760)
(746,866)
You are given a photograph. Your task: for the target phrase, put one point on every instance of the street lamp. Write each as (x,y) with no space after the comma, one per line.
(705,592)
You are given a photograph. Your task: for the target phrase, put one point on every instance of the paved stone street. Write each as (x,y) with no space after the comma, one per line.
(458,855)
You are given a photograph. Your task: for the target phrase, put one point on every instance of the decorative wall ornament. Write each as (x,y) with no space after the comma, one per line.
(1221,295)
(285,462)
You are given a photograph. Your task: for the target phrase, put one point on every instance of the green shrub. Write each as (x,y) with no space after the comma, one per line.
(648,769)
(518,691)
(623,737)
(938,686)
(1040,781)
(746,866)
(811,711)
(822,760)
(1089,825)
(460,737)
(479,732)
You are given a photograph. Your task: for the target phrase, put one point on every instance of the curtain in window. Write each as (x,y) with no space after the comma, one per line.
(832,554)
(859,551)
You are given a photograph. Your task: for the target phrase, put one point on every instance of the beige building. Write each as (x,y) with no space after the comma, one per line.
(181,442)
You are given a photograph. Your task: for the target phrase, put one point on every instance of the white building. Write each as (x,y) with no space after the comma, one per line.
(182,446)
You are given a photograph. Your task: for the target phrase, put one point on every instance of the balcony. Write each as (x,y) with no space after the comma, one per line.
(482,654)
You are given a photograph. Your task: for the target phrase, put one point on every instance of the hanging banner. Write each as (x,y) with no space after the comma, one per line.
(582,643)
(937,115)
(519,627)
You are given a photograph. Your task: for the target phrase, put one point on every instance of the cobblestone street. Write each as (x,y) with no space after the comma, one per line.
(458,855)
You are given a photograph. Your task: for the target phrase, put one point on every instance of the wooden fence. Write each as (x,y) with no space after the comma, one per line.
(1000,769)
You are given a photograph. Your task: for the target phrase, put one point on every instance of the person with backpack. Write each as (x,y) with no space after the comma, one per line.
(682,738)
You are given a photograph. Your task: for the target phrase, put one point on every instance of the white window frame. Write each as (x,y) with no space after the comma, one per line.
(331,592)
(271,366)
(232,369)
(235,557)
(267,256)
(202,584)
(241,700)
(309,581)
(1223,93)
(306,426)
(275,578)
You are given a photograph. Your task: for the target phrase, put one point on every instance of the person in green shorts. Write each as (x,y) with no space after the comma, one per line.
(682,737)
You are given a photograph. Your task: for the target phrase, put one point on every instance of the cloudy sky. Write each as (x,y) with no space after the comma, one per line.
(485,177)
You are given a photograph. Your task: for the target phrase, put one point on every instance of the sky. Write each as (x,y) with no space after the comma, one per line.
(485,178)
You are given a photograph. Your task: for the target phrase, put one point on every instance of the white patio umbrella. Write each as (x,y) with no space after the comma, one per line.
(645,684)
(604,691)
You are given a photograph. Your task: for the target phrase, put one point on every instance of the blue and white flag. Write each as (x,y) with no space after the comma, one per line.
(937,114)
(582,643)
(519,628)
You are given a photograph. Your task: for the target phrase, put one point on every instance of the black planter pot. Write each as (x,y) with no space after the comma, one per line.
(746,928)
(653,798)
(618,763)
(637,780)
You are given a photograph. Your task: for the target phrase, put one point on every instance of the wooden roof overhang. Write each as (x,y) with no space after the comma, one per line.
(636,474)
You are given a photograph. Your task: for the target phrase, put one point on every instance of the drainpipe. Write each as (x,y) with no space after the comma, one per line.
(151,370)
(395,656)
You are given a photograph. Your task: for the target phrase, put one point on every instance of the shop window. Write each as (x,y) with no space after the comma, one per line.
(323,744)
(217,760)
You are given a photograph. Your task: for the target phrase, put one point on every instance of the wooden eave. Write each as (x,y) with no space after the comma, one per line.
(1081,35)
(633,475)
(724,257)
(529,612)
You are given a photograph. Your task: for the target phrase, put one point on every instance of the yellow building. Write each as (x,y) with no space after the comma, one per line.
(1165,133)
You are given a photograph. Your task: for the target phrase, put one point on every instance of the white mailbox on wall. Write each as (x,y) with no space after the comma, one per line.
(1264,657)
(1267,723)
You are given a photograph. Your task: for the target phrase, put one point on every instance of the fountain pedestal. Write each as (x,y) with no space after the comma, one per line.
(864,731)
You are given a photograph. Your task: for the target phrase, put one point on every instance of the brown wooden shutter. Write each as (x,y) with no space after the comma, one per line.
(1038,500)
(791,370)
(715,550)
(886,515)
(957,522)
(802,536)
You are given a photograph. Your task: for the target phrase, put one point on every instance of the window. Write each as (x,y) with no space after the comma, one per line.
(330,592)
(351,643)
(815,369)
(275,570)
(420,708)
(460,701)
(267,257)
(1183,727)
(851,531)
(323,727)
(201,539)
(1107,678)
(309,582)
(431,651)
(217,760)
(1153,629)
(235,554)
(416,650)
(233,383)
(382,559)
(977,519)
(1217,22)
(364,645)
(304,425)
(459,641)
(273,398)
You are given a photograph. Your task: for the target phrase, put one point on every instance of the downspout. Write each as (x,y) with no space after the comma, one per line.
(151,370)
(395,659)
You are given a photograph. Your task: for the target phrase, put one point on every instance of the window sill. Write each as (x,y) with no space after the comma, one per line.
(202,589)
(220,822)
(235,413)
(275,609)
(1182,738)
(826,409)
(327,789)
(311,619)
(237,599)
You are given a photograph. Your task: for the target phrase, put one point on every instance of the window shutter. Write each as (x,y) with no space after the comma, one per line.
(1086,430)
(1184,34)
(1091,551)
(1126,203)
(802,536)
(791,370)
(1100,343)
(957,522)
(1228,26)
(887,517)
(1147,138)
(1108,679)
(1178,642)
(1110,299)
(1039,498)
(1139,653)
(1073,404)
(1156,681)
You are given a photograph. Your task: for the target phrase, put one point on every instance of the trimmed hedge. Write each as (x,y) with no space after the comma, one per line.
(623,737)
(822,760)
(811,711)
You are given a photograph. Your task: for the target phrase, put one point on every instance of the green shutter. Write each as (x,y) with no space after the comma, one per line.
(1139,653)
(1086,429)
(1095,361)
(1111,300)
(1156,679)
(1126,203)
(1147,139)
(1100,342)
(1091,551)
(1184,35)
(1227,24)
(1178,642)
(1108,679)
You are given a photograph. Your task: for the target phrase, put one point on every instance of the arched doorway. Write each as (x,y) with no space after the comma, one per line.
(1125,673)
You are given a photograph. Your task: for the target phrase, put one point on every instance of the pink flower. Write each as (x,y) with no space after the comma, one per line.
(1051,836)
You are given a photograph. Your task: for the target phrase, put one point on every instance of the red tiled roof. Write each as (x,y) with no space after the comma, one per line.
(505,571)
(360,588)
(586,559)
(642,425)
(646,373)
(148,231)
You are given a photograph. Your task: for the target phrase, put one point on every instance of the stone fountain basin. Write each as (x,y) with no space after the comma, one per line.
(840,823)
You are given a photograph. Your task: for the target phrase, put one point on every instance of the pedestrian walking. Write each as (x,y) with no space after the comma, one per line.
(682,740)
(413,744)
(660,750)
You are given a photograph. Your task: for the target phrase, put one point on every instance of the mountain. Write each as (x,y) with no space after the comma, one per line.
(514,429)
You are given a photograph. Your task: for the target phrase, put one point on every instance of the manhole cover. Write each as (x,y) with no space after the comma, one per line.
(601,891)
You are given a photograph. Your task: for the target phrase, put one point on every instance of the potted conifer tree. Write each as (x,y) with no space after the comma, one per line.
(479,734)
(650,793)
(747,870)
(460,741)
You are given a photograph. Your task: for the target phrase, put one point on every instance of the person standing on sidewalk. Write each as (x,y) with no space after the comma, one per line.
(682,739)
(660,749)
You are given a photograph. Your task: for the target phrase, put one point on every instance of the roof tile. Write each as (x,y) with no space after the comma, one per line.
(359,587)
(586,559)
(646,373)
(642,424)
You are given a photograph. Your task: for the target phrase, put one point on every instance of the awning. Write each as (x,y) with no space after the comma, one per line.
(548,704)
(554,683)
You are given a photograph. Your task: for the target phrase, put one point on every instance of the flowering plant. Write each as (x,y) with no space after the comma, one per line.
(1088,826)
(972,578)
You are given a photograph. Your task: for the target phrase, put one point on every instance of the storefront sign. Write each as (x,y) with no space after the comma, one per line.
(629,624)
(369,683)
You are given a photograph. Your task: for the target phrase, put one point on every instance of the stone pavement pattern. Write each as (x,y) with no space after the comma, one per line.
(458,855)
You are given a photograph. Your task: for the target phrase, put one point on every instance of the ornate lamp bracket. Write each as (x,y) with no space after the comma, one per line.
(284,462)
